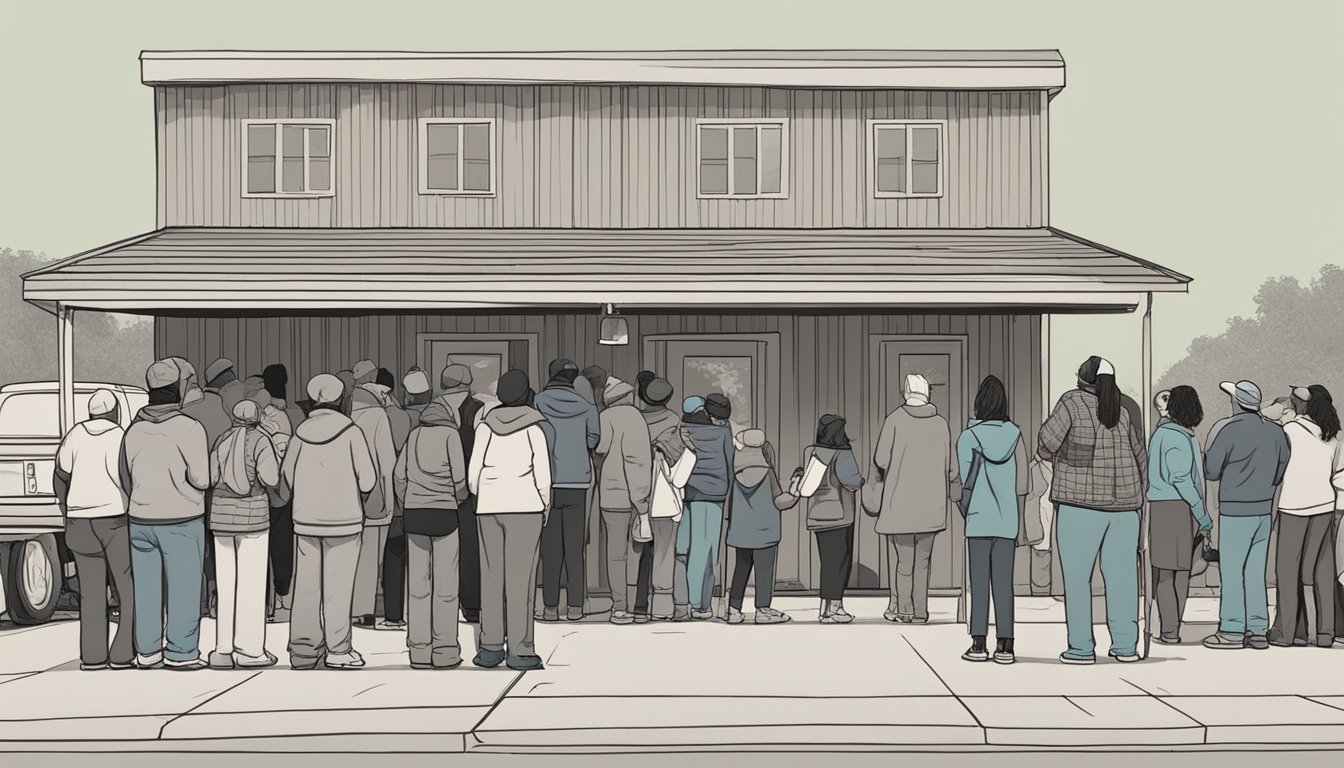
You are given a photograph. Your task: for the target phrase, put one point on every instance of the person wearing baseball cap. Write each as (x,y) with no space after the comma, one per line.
(166,472)
(91,494)
(1247,458)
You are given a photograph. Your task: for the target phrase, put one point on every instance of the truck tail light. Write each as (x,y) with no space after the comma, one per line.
(30,478)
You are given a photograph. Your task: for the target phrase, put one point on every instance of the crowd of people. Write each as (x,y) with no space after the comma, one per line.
(229,498)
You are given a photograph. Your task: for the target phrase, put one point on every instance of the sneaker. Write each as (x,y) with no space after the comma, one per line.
(681,613)
(977,652)
(735,615)
(622,617)
(221,660)
(248,662)
(488,659)
(426,665)
(351,660)
(1339,642)
(1256,642)
(1224,641)
(1125,658)
(302,663)
(121,665)
(700,615)
(190,665)
(1003,652)
(837,616)
(365,621)
(92,667)
(1167,640)
(891,616)
(916,620)
(149,662)
(771,616)
(1069,658)
(549,615)
(575,614)
(523,663)
(642,618)
(390,626)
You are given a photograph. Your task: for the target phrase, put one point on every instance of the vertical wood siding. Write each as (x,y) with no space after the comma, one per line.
(598,156)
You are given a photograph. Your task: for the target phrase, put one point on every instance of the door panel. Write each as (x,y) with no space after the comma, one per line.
(488,357)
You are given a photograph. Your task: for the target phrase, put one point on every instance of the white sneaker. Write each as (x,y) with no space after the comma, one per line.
(735,616)
(351,660)
(390,626)
(701,615)
(771,616)
(622,617)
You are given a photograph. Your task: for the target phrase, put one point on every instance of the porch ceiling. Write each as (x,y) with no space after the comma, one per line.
(193,269)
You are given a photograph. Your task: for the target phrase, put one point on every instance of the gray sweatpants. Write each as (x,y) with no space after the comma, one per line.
(101,546)
(908,559)
(991,575)
(324,587)
(1304,553)
(431,612)
(664,547)
(622,558)
(509,545)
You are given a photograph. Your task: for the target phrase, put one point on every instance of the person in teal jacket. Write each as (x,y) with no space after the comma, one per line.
(1178,520)
(993,520)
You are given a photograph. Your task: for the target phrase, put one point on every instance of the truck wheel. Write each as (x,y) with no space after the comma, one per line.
(32,577)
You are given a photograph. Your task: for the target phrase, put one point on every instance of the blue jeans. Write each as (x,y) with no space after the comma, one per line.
(171,554)
(1243,548)
(698,538)
(1085,534)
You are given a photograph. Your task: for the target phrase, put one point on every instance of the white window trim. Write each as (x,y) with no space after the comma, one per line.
(279,124)
(874,125)
(784,151)
(422,150)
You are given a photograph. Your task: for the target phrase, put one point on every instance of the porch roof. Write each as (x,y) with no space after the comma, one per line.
(396,269)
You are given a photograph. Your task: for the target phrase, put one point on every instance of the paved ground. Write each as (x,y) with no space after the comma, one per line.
(871,686)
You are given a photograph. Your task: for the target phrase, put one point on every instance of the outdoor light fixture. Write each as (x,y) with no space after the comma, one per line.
(614,330)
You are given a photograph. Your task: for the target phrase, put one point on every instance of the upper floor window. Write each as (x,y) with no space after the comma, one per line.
(288,158)
(906,157)
(457,156)
(742,158)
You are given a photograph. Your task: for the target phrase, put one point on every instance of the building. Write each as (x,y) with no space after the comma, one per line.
(796,228)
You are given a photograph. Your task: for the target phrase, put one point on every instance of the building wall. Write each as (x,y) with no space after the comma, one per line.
(616,156)
(823,367)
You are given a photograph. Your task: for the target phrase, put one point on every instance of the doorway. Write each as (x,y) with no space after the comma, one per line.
(488,356)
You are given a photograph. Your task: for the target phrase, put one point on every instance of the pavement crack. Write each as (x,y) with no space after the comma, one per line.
(225,690)
(1079,707)
(366,690)
(963,704)
(503,695)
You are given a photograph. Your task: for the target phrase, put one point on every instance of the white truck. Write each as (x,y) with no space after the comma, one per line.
(31,524)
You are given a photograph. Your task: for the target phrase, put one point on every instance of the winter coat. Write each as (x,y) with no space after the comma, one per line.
(998,502)
(431,472)
(368,414)
(510,469)
(833,503)
(1095,467)
(1247,457)
(576,431)
(713,447)
(209,411)
(90,455)
(757,498)
(399,421)
(919,476)
(326,472)
(1314,466)
(249,512)
(229,395)
(1175,470)
(664,432)
(626,477)
(165,466)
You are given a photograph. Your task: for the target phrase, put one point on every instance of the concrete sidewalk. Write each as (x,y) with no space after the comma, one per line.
(869,685)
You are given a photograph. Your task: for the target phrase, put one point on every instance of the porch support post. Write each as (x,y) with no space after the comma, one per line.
(1145,564)
(65,365)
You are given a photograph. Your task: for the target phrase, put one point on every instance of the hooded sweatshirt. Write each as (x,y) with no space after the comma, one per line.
(510,468)
(369,415)
(664,431)
(1175,470)
(757,498)
(91,455)
(209,411)
(626,481)
(431,473)
(327,469)
(713,447)
(165,466)
(577,431)
(1312,465)
(914,453)
(999,498)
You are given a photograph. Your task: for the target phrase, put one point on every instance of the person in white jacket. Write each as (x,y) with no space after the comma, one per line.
(510,476)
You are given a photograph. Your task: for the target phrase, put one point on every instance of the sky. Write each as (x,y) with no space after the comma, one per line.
(1200,135)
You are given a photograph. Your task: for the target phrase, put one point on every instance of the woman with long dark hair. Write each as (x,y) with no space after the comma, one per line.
(1099,461)
(830,514)
(1306,506)
(1178,519)
(993,445)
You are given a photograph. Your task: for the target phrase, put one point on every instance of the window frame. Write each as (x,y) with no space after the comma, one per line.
(422,154)
(739,122)
(875,125)
(279,124)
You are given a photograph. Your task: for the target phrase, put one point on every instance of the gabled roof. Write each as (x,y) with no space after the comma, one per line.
(861,69)
(334,269)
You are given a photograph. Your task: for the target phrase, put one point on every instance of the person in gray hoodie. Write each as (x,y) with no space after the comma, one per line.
(326,474)
(754,526)
(431,482)
(625,484)
(455,380)
(707,434)
(577,430)
(165,472)
(830,514)
(655,591)
(368,409)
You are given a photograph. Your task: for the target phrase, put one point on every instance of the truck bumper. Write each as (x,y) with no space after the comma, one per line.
(25,518)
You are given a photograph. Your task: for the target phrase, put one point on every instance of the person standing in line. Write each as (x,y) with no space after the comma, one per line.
(431,482)
(89,489)
(625,485)
(919,476)
(655,592)
(510,475)
(268,391)
(243,466)
(1041,510)
(276,379)
(994,521)
(1179,521)
(707,434)
(165,470)
(418,394)
(754,526)
(208,409)
(576,430)
(1247,457)
(455,380)
(1305,551)
(327,473)
(1099,463)
(222,382)
(1162,407)
(394,548)
(368,411)
(830,514)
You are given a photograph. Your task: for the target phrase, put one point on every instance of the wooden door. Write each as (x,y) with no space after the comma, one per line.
(487,355)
